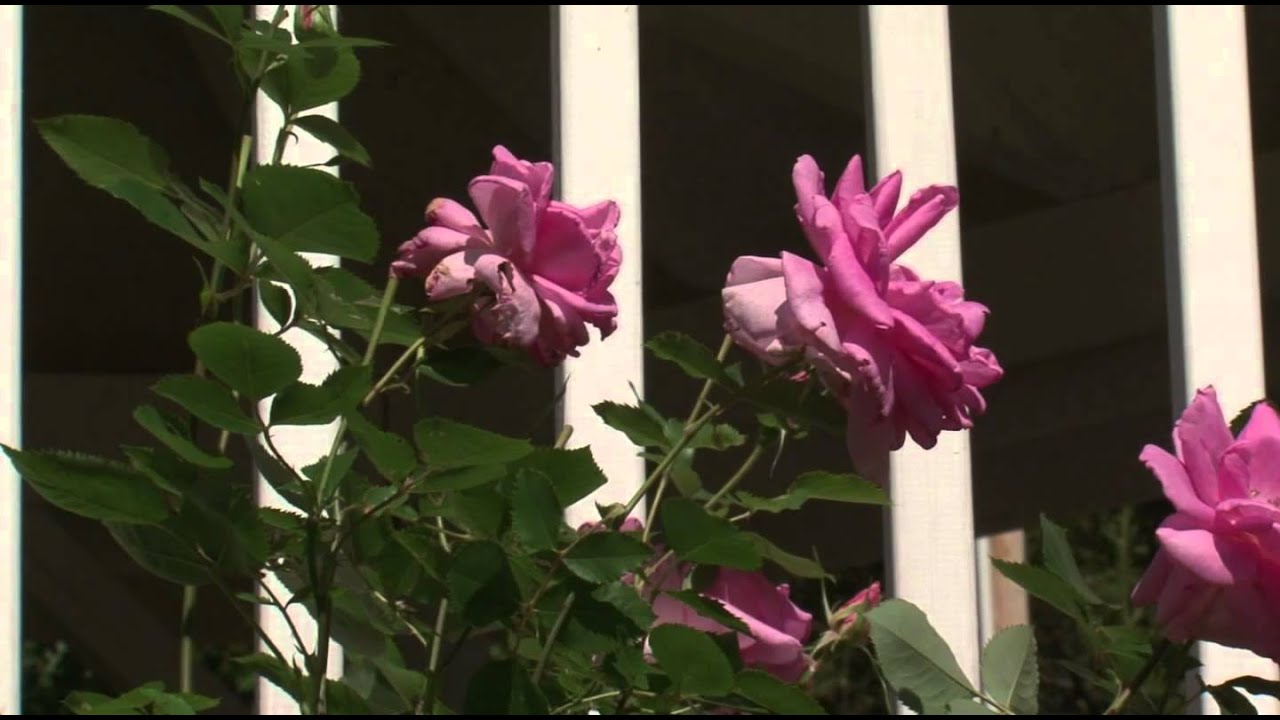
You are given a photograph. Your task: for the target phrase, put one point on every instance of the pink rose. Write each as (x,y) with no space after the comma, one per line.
(896,350)
(778,628)
(545,265)
(1216,576)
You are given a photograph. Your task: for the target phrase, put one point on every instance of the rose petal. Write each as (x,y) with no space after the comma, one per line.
(924,210)
(507,207)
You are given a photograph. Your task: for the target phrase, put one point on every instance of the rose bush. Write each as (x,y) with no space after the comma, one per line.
(411,544)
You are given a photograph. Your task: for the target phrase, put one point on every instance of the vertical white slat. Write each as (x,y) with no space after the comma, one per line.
(930,534)
(301,445)
(1001,603)
(10,356)
(1215,311)
(598,158)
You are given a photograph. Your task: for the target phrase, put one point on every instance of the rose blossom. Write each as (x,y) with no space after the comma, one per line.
(895,349)
(778,629)
(849,616)
(1216,576)
(546,265)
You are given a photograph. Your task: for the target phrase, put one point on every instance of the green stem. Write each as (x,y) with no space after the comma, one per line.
(1132,686)
(428,700)
(322,581)
(742,471)
(551,638)
(562,439)
(669,458)
(723,352)
(395,368)
(186,647)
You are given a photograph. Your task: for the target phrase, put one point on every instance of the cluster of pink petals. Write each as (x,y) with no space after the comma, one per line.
(896,349)
(1216,576)
(545,266)
(778,629)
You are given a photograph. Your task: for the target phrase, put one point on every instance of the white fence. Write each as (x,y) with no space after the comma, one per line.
(1214,303)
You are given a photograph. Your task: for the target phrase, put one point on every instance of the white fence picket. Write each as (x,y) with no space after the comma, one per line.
(930,538)
(304,444)
(10,356)
(598,157)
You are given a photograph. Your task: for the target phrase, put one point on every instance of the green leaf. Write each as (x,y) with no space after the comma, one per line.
(914,658)
(153,422)
(391,454)
(90,486)
(711,436)
(326,486)
(198,703)
(1242,418)
(699,537)
(1255,685)
(105,152)
(207,400)
(162,551)
(1042,584)
(503,688)
(574,474)
(693,660)
(711,609)
(459,367)
(639,427)
(308,210)
(276,299)
(696,359)
(1231,701)
(230,19)
(171,705)
(328,131)
(774,695)
(536,515)
(188,18)
(794,564)
(323,75)
(406,683)
(251,362)
(293,269)
(448,444)
(480,583)
(968,707)
(1060,560)
(303,404)
(1010,674)
(281,479)
(112,155)
(627,601)
(463,478)
(127,704)
(603,557)
(481,510)
(274,671)
(818,486)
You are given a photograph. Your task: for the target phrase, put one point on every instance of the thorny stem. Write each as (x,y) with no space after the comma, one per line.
(1132,686)
(670,457)
(723,352)
(320,582)
(551,638)
(428,700)
(737,477)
